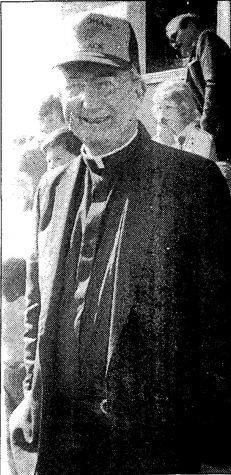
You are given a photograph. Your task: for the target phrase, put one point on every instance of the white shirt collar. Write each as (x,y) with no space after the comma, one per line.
(184,133)
(98,158)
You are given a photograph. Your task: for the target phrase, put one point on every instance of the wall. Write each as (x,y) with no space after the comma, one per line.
(224,20)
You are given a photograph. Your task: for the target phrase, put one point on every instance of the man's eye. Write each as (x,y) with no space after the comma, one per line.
(104,82)
(173,38)
(106,85)
(75,86)
(103,86)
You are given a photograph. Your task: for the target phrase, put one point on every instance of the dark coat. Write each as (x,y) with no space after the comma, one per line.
(209,77)
(169,348)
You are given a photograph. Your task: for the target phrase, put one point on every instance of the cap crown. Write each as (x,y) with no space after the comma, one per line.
(100,39)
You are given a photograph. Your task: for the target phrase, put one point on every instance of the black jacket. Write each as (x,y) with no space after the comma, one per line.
(169,370)
(209,77)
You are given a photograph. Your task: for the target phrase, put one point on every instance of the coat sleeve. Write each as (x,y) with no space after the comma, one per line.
(214,62)
(32,302)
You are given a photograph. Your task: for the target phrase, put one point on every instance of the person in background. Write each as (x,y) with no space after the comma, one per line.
(32,162)
(18,189)
(60,148)
(208,75)
(128,320)
(13,307)
(178,118)
(177,123)
(50,115)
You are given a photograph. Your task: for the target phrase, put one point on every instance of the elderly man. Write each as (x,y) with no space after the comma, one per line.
(208,75)
(128,318)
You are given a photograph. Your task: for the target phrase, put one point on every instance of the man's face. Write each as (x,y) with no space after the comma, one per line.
(182,39)
(51,122)
(100,105)
(57,156)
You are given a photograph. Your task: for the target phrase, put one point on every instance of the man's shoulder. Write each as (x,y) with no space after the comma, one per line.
(209,38)
(153,156)
(179,173)
(172,161)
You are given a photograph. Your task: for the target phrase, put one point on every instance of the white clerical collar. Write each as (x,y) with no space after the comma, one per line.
(98,158)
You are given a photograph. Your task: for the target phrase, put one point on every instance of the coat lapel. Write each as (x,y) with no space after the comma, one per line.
(138,221)
(52,233)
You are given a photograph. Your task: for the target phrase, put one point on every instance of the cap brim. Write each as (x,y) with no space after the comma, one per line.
(90,57)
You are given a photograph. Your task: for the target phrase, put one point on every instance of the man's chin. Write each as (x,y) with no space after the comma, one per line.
(98,137)
(93,133)
(186,54)
(100,145)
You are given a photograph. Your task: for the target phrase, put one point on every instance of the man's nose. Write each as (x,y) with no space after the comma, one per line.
(90,98)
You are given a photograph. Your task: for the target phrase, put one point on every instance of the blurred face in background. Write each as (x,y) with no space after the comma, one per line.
(21,191)
(170,117)
(182,39)
(51,121)
(100,105)
(57,155)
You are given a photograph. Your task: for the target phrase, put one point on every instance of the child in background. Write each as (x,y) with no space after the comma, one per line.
(178,120)
(177,123)
(60,148)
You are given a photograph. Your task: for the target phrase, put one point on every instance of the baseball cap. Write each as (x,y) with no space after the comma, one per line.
(97,38)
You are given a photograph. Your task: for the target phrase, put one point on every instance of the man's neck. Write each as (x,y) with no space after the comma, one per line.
(179,129)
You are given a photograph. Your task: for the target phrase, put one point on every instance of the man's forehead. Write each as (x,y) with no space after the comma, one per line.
(173,27)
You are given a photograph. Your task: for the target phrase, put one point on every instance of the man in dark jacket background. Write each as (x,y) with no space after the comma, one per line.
(128,316)
(209,75)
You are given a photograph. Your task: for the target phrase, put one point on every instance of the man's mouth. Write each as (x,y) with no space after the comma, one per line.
(96,120)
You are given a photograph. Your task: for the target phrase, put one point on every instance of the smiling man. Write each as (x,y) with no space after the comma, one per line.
(100,104)
(128,285)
